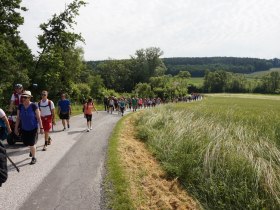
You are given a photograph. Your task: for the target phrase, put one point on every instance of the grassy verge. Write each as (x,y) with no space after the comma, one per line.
(116,184)
(225,151)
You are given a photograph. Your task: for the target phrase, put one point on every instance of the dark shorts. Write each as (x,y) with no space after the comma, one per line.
(64,116)
(89,117)
(29,138)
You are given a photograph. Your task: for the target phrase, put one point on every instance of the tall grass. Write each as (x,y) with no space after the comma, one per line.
(225,151)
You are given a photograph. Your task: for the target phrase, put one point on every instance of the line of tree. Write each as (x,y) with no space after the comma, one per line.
(222,81)
(198,66)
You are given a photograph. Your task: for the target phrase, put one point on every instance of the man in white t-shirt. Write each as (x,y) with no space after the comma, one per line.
(46,107)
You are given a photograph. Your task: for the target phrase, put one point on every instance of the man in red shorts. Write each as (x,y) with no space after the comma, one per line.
(46,107)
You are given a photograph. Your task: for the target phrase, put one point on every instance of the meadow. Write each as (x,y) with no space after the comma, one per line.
(225,150)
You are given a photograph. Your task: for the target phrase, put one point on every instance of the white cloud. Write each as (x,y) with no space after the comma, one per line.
(117,29)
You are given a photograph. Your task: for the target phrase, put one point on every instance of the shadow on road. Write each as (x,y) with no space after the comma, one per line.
(12,168)
(73,132)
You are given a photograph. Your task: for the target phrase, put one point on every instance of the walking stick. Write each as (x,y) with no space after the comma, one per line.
(12,163)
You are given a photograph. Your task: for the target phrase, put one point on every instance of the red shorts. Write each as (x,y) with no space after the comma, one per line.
(47,123)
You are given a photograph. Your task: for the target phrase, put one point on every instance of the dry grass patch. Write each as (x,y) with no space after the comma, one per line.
(149,187)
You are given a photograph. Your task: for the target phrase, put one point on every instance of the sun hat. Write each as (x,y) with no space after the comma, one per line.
(26,93)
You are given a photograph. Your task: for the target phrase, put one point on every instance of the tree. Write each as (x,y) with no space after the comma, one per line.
(10,17)
(216,81)
(15,57)
(143,90)
(60,62)
(146,63)
(116,75)
(184,74)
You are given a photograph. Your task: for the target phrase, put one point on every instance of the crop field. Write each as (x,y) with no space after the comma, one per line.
(225,149)
(197,81)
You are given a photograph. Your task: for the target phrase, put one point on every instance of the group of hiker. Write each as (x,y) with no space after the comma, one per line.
(31,117)
(113,103)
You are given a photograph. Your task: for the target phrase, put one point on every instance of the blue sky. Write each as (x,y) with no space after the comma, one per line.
(181,28)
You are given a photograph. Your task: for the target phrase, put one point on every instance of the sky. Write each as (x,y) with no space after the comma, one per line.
(115,29)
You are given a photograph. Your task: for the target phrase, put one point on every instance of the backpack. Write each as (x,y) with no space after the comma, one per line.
(3,164)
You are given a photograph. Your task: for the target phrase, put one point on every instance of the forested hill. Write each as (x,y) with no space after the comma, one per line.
(198,65)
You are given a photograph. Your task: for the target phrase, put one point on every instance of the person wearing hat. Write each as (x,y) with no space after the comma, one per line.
(29,116)
(16,98)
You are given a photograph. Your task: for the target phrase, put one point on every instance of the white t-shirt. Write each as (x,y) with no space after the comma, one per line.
(44,107)
(2,113)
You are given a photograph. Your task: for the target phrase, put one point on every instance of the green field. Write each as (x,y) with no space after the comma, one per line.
(197,81)
(261,73)
(224,149)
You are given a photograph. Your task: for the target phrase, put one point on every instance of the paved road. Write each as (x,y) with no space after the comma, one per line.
(68,175)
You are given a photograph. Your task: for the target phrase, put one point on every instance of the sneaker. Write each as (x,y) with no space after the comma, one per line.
(49,140)
(90,128)
(87,130)
(33,161)
(68,126)
(30,154)
(45,148)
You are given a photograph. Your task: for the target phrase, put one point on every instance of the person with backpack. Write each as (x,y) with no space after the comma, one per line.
(122,105)
(16,98)
(46,107)
(29,116)
(4,129)
(4,125)
(88,107)
(64,110)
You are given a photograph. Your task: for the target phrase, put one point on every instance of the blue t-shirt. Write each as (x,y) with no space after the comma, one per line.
(28,117)
(64,105)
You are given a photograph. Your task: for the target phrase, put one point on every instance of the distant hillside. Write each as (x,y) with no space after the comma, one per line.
(198,66)
(262,73)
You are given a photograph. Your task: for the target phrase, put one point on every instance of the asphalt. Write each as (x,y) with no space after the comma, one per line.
(68,175)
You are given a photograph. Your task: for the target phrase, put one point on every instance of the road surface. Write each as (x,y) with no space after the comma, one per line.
(68,175)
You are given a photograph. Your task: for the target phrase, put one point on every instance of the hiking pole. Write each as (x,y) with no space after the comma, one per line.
(12,163)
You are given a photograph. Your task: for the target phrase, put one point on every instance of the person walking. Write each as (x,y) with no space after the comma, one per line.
(88,107)
(111,105)
(4,125)
(64,110)
(106,103)
(122,105)
(16,98)
(29,116)
(134,102)
(46,107)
